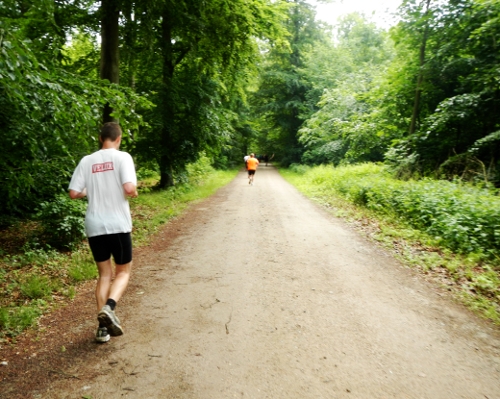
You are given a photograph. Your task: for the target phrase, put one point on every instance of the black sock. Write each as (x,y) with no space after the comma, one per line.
(111,303)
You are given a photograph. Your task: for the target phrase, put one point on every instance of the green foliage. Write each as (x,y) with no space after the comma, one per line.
(49,119)
(286,97)
(146,173)
(16,319)
(82,55)
(199,170)
(196,70)
(36,287)
(459,102)
(299,169)
(435,70)
(347,128)
(63,221)
(32,255)
(82,267)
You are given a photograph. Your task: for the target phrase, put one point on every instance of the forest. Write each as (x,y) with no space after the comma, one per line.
(210,81)
(227,77)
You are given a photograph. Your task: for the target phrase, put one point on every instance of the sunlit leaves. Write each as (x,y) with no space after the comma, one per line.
(347,117)
(50,119)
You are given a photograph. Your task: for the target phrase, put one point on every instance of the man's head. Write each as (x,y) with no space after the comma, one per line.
(252,155)
(110,131)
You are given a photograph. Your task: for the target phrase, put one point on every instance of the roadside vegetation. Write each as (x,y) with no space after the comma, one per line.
(449,229)
(36,277)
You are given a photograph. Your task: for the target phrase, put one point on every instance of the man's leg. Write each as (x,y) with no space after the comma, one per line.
(109,293)
(120,282)
(106,287)
(103,283)
(101,295)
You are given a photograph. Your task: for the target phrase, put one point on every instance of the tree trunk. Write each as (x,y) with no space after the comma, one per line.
(110,62)
(166,164)
(420,79)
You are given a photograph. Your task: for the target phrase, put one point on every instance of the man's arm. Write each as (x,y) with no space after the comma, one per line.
(130,190)
(73,194)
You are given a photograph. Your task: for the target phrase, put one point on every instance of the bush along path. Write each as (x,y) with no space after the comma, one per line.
(258,292)
(450,230)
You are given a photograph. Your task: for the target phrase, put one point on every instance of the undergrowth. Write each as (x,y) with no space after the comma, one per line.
(450,230)
(35,277)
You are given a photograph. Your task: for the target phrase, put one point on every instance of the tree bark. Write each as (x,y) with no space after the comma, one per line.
(420,79)
(110,62)
(166,164)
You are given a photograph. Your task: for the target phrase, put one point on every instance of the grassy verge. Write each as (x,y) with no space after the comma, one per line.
(34,280)
(449,231)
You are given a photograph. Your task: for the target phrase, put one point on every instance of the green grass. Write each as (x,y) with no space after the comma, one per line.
(82,267)
(36,287)
(36,280)
(16,319)
(449,230)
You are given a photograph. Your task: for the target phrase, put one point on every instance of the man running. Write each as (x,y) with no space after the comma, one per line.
(252,165)
(107,177)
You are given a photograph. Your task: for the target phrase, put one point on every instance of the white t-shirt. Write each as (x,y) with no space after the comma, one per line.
(246,158)
(103,174)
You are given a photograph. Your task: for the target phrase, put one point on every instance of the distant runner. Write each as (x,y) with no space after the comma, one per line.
(252,165)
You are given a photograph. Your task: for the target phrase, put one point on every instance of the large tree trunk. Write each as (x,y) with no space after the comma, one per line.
(166,164)
(110,12)
(420,79)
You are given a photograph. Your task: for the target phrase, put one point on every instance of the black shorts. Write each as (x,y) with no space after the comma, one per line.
(251,172)
(119,245)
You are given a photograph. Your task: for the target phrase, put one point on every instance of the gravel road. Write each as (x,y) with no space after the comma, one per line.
(258,293)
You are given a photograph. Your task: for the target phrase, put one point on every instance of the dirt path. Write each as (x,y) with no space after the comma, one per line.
(258,293)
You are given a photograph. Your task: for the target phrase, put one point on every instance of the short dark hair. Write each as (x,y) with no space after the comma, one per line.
(110,131)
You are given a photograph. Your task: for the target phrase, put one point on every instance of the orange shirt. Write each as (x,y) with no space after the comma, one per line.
(252,163)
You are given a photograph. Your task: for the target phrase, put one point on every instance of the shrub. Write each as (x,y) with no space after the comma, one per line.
(63,221)
(298,168)
(145,173)
(198,170)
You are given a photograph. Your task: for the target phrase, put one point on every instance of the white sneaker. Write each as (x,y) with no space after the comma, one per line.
(102,335)
(107,317)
